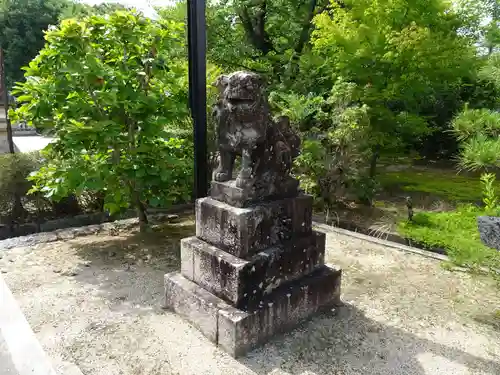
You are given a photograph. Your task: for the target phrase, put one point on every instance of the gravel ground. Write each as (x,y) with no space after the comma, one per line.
(95,301)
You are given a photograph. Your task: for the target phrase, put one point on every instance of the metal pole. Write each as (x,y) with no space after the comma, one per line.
(5,100)
(198,93)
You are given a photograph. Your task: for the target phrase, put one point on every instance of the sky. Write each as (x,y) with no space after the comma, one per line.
(146,6)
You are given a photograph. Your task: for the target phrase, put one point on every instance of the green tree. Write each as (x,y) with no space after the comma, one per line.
(478,131)
(22,26)
(82,10)
(407,57)
(111,89)
(266,36)
(335,133)
(482,22)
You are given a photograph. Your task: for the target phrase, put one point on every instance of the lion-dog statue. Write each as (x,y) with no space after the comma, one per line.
(246,128)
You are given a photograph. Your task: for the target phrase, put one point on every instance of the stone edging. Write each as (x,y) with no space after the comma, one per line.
(70,233)
(31,228)
(390,237)
(378,241)
(168,215)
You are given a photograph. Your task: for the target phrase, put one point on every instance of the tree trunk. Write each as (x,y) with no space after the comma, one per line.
(17,213)
(373,162)
(136,196)
(141,211)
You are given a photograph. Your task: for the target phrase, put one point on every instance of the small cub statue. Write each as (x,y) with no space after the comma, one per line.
(246,128)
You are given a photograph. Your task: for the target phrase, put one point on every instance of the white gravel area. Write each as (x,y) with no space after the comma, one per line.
(96,302)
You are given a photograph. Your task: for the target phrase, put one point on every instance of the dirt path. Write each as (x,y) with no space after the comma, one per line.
(95,301)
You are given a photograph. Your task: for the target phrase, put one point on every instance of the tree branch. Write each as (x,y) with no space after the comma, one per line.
(314,9)
(306,27)
(240,65)
(255,28)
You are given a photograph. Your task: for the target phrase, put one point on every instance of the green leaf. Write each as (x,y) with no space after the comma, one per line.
(112,207)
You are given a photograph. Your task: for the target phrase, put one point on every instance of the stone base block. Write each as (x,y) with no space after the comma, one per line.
(489,231)
(238,331)
(229,193)
(194,303)
(243,283)
(246,231)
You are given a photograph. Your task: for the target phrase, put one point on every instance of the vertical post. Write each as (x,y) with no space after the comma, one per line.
(5,101)
(198,93)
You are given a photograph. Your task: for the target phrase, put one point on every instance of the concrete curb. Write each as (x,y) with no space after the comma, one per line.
(24,353)
(73,232)
(378,241)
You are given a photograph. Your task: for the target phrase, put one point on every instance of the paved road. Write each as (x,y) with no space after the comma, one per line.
(6,365)
(20,351)
(30,143)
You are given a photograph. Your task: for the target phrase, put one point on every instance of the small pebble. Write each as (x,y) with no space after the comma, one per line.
(172,217)
(4,271)
(69,273)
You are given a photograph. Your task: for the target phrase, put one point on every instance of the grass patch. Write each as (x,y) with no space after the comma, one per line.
(443,184)
(457,233)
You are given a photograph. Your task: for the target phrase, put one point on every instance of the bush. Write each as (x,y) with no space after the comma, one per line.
(114,112)
(14,169)
(18,204)
(456,232)
(335,149)
(477,130)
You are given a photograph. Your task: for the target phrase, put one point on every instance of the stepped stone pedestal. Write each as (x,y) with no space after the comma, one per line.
(255,267)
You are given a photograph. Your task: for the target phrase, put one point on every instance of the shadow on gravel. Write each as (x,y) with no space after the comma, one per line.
(351,343)
(491,320)
(129,269)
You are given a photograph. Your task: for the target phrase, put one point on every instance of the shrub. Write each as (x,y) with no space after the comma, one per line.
(335,150)
(456,232)
(14,169)
(477,130)
(112,90)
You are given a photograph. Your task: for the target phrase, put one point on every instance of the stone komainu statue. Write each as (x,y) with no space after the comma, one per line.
(245,128)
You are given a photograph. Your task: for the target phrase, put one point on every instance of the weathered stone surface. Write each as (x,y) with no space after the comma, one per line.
(255,267)
(235,196)
(4,231)
(25,230)
(65,234)
(194,303)
(245,128)
(245,231)
(243,283)
(239,331)
(77,221)
(188,247)
(489,231)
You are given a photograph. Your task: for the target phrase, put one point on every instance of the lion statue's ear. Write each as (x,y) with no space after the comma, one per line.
(221,82)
